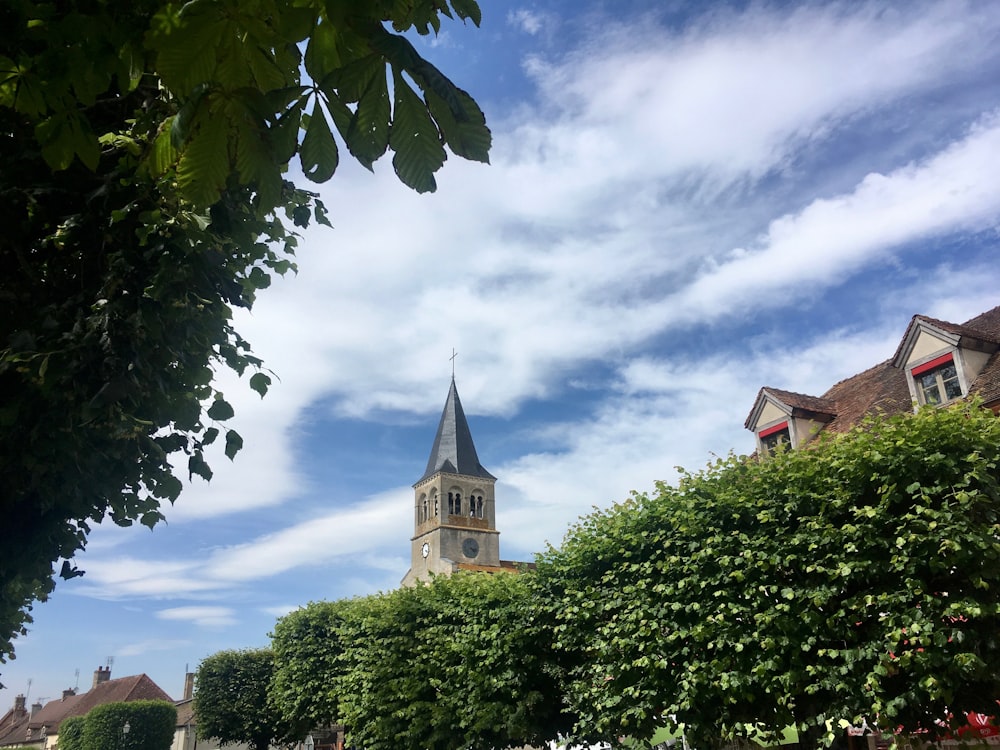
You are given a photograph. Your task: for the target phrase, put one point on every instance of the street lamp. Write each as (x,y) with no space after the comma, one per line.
(125,731)
(310,743)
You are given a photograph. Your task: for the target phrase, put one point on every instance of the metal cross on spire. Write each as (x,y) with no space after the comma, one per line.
(453,355)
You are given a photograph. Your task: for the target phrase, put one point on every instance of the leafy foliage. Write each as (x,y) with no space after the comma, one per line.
(856,579)
(231,700)
(453,664)
(71,733)
(144,146)
(150,724)
(309,655)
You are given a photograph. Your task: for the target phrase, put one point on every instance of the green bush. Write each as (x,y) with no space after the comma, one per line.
(71,733)
(151,726)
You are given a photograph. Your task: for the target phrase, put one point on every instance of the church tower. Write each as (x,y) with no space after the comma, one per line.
(454,512)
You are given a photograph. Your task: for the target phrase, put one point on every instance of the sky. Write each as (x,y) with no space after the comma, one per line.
(686,201)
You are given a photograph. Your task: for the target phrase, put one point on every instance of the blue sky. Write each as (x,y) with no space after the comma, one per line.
(687,201)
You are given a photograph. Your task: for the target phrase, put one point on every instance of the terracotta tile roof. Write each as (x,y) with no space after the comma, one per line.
(52,714)
(987,384)
(802,405)
(882,389)
(985,325)
(506,566)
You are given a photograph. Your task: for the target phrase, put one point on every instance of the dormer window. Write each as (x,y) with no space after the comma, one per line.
(774,436)
(937,381)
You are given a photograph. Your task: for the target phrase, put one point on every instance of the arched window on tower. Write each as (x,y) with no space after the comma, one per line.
(476,506)
(455,503)
(434,502)
(423,508)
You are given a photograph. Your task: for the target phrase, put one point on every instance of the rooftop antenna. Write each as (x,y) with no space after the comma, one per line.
(28,691)
(453,355)
(111,662)
(77,685)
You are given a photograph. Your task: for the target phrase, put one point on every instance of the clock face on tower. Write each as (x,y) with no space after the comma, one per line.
(425,550)
(470,548)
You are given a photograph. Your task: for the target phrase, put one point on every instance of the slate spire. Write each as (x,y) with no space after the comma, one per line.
(453,451)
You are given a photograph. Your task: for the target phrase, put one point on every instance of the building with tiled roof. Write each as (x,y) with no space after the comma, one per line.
(39,727)
(936,362)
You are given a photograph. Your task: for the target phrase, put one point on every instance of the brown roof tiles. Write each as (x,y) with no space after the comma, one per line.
(53,713)
(882,389)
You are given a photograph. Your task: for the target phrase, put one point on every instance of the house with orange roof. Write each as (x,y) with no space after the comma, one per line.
(39,726)
(936,362)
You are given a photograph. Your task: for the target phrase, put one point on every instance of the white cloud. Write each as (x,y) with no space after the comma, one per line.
(738,93)
(341,535)
(209,617)
(530,22)
(957,189)
(142,648)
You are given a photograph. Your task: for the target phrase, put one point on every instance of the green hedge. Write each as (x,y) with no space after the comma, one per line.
(71,733)
(151,726)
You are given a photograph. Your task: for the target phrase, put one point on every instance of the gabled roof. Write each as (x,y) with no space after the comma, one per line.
(981,332)
(794,404)
(52,714)
(453,451)
(883,389)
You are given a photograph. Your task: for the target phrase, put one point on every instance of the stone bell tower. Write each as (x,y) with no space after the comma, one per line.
(454,511)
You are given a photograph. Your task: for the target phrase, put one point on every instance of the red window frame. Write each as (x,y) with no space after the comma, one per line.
(771,430)
(944,359)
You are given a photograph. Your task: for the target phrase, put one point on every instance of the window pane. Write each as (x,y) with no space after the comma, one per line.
(952,387)
(929,387)
(775,439)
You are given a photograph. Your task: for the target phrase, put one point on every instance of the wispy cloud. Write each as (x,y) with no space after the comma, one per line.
(208,617)
(528,21)
(151,645)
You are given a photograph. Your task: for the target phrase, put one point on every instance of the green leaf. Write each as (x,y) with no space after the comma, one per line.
(197,465)
(318,153)
(322,54)
(220,410)
(368,133)
(284,134)
(414,138)
(205,163)
(233,444)
(468,9)
(188,47)
(260,383)
(162,156)
(467,135)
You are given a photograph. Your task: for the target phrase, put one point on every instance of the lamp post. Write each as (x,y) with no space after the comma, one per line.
(125,730)
(310,743)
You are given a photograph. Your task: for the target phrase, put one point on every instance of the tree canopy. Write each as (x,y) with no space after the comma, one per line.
(145,147)
(856,579)
(456,663)
(231,700)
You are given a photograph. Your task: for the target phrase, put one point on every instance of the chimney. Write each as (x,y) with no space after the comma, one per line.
(188,686)
(101,674)
(19,703)
(69,693)
(36,707)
